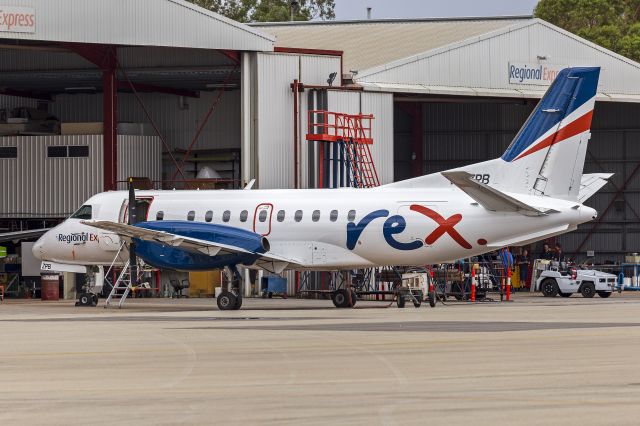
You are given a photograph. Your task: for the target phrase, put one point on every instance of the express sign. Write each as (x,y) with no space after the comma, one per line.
(17,19)
(533,73)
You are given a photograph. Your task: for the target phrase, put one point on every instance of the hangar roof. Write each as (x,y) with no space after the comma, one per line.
(166,23)
(463,57)
(371,43)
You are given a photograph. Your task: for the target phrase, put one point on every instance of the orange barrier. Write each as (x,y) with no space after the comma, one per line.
(473,284)
(508,284)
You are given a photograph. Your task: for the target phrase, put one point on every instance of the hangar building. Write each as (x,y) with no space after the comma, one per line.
(458,98)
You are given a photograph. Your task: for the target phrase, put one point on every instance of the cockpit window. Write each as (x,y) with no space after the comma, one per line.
(83,212)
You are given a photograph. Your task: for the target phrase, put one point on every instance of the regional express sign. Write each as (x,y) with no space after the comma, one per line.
(17,19)
(533,73)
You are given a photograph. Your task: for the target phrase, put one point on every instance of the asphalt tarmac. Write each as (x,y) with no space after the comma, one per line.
(533,361)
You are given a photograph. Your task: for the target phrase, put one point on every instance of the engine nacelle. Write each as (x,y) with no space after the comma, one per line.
(166,256)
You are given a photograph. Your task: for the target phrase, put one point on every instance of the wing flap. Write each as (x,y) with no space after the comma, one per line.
(488,197)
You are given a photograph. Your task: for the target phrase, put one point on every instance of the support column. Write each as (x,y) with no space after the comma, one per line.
(245,117)
(110,127)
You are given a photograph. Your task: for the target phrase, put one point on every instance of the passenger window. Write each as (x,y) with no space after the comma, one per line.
(262,216)
(208,216)
(191,215)
(281,216)
(160,215)
(333,216)
(315,216)
(298,216)
(243,215)
(83,212)
(226,216)
(352,215)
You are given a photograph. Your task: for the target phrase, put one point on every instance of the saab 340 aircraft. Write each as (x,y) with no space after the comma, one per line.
(534,191)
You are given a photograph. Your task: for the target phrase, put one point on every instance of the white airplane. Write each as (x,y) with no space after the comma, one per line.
(534,191)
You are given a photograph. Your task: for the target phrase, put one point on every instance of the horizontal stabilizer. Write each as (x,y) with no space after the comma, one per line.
(591,183)
(488,197)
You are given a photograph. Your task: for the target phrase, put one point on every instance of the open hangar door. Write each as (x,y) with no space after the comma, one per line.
(168,104)
(436,134)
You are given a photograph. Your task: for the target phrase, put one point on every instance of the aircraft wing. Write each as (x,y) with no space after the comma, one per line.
(268,261)
(490,198)
(591,183)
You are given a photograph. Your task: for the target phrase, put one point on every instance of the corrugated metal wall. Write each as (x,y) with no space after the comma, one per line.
(139,156)
(36,186)
(177,124)
(456,134)
(274,112)
(10,102)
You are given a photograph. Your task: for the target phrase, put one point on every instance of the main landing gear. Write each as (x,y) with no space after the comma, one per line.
(230,299)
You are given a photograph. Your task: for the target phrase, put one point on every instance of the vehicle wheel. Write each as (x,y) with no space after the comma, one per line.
(565,294)
(400,301)
(549,287)
(226,301)
(588,290)
(604,294)
(417,301)
(340,298)
(238,304)
(432,299)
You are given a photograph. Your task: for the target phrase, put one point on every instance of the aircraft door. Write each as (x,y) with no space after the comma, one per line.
(262,219)
(142,209)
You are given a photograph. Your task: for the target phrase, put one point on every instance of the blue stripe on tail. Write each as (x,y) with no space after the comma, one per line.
(570,90)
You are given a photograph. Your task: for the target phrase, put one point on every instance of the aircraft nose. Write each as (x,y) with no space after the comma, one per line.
(38,248)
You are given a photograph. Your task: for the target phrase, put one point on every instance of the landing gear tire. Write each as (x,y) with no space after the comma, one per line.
(227,301)
(87,299)
(604,294)
(565,294)
(549,288)
(340,298)
(588,290)
(400,301)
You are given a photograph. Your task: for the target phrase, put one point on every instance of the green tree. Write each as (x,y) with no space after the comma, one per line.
(614,24)
(270,10)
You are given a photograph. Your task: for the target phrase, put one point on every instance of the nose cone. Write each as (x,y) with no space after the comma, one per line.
(38,248)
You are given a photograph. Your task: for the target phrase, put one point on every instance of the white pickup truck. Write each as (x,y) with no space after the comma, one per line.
(587,282)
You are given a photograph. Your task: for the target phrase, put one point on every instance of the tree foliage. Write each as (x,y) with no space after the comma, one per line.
(270,10)
(614,24)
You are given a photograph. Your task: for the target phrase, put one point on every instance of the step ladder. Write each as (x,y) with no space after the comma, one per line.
(121,288)
(123,285)
(361,164)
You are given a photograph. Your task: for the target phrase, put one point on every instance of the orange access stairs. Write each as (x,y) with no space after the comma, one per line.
(344,149)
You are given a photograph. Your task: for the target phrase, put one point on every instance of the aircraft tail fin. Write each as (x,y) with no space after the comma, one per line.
(547,155)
